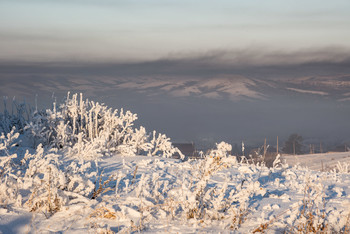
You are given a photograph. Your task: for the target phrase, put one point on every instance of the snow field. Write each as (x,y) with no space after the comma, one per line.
(339,161)
(52,181)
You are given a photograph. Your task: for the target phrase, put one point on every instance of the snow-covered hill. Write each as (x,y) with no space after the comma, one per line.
(238,87)
(75,169)
(318,162)
(228,86)
(234,87)
(217,194)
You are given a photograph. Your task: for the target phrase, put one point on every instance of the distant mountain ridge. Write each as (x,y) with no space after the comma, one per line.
(237,87)
(229,87)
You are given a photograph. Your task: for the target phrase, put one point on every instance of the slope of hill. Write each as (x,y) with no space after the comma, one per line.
(71,177)
(318,162)
(232,86)
(150,195)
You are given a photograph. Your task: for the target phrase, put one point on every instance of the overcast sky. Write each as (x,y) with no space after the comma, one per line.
(128,30)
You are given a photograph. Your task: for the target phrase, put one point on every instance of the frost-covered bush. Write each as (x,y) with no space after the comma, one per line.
(217,160)
(46,177)
(9,193)
(89,129)
(15,118)
(44,180)
(8,181)
(51,181)
(222,150)
(161,145)
(198,197)
(342,167)
(310,216)
(8,141)
(340,219)
(8,169)
(214,194)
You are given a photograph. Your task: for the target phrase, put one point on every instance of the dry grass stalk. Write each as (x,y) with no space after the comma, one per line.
(264,226)
(309,213)
(347,225)
(133,228)
(216,165)
(103,212)
(102,187)
(136,227)
(100,230)
(31,198)
(133,178)
(52,204)
(239,218)
(105,231)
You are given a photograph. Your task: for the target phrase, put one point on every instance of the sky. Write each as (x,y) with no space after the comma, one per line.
(201,71)
(124,30)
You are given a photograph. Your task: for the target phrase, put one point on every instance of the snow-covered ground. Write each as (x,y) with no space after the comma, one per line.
(151,194)
(318,162)
(77,169)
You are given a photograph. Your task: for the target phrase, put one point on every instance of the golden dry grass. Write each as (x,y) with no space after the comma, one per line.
(103,212)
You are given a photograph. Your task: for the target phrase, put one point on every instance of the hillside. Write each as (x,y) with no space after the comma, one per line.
(318,162)
(82,167)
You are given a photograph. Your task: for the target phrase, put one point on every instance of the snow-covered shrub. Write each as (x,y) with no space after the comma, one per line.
(217,160)
(343,167)
(222,149)
(139,139)
(240,201)
(339,220)
(79,177)
(89,130)
(17,119)
(45,181)
(8,169)
(200,198)
(9,191)
(313,215)
(310,216)
(39,129)
(136,142)
(102,187)
(49,180)
(277,162)
(8,181)
(161,145)
(8,141)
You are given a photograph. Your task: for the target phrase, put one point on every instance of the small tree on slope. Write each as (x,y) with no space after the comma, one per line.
(293,145)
